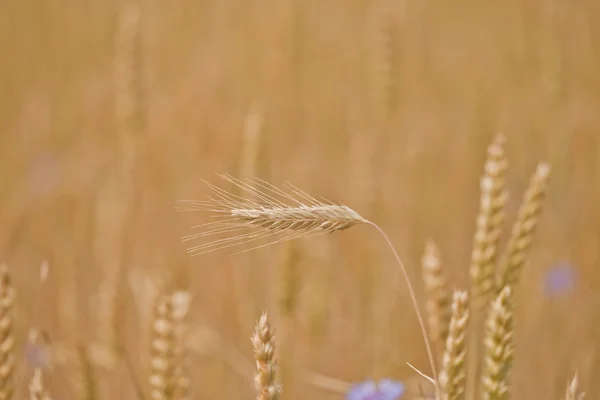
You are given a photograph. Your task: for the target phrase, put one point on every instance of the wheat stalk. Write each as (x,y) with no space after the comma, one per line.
(167,376)
(270,216)
(572,392)
(498,344)
(524,228)
(489,222)
(7,341)
(485,248)
(263,342)
(37,390)
(439,298)
(453,374)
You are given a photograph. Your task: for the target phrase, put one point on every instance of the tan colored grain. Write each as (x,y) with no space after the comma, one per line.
(489,223)
(168,376)
(439,297)
(7,340)
(263,342)
(572,392)
(498,343)
(453,374)
(524,228)
(37,390)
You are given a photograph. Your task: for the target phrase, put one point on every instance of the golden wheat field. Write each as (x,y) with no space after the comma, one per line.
(438,121)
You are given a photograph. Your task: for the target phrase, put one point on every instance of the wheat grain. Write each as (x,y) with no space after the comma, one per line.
(524,229)
(263,341)
(37,391)
(453,374)
(498,343)
(572,392)
(439,298)
(168,380)
(268,214)
(290,281)
(488,230)
(489,223)
(7,341)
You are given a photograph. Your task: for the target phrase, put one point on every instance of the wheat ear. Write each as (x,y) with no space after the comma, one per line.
(7,341)
(485,248)
(524,228)
(572,392)
(263,342)
(37,390)
(439,298)
(453,374)
(489,222)
(498,344)
(270,216)
(167,381)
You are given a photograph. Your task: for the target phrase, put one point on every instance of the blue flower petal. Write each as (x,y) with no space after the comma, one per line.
(559,279)
(362,391)
(391,390)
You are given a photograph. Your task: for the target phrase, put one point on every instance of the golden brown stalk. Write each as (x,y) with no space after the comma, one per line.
(385,62)
(110,309)
(167,372)
(7,341)
(269,216)
(485,248)
(572,392)
(524,229)
(83,380)
(498,343)
(453,374)
(489,223)
(37,391)
(290,281)
(127,66)
(439,298)
(263,342)
(252,148)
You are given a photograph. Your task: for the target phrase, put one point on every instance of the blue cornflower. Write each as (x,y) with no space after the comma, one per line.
(387,389)
(559,279)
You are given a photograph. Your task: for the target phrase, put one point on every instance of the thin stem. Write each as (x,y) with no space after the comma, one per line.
(413,298)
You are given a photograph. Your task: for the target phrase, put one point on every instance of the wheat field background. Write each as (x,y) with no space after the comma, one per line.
(112,111)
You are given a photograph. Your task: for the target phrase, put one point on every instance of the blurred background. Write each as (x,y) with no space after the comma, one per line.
(110,111)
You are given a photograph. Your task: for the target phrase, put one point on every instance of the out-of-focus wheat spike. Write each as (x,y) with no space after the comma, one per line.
(181,379)
(498,343)
(263,342)
(84,380)
(127,66)
(572,392)
(439,297)
(452,377)
(168,378)
(37,391)
(385,62)
(290,281)
(252,143)
(524,229)
(110,309)
(7,341)
(489,223)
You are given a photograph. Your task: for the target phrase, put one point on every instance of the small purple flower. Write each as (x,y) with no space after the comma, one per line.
(559,279)
(387,389)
